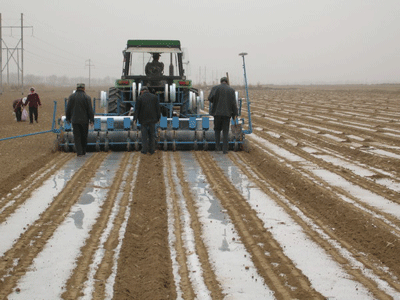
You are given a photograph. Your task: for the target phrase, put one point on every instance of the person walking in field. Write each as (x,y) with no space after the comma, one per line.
(80,113)
(148,113)
(33,101)
(17,106)
(223,108)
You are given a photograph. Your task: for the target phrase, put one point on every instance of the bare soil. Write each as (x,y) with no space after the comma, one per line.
(361,119)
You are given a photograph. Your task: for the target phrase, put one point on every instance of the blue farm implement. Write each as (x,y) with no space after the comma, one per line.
(184,124)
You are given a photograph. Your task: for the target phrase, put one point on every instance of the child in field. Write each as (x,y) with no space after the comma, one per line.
(17,106)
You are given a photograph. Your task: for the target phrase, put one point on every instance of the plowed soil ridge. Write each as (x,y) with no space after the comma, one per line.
(380,216)
(32,242)
(138,246)
(79,275)
(17,196)
(257,240)
(144,264)
(208,274)
(183,280)
(314,232)
(319,203)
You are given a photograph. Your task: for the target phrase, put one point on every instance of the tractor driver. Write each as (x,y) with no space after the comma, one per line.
(155,68)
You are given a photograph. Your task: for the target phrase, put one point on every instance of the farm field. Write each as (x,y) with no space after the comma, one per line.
(311,212)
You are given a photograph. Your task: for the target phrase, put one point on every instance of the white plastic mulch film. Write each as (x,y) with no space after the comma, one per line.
(103,99)
(190,104)
(237,98)
(166,92)
(133,91)
(172,92)
(194,100)
(198,101)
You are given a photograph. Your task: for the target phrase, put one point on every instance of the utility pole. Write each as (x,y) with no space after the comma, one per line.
(205,75)
(22,54)
(1,61)
(89,64)
(11,53)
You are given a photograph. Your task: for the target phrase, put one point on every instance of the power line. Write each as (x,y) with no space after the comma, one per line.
(58,47)
(19,48)
(46,60)
(51,53)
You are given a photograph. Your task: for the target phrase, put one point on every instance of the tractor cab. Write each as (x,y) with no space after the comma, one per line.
(157,64)
(153,62)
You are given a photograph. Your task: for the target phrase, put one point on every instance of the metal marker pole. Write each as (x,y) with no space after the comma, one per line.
(243,54)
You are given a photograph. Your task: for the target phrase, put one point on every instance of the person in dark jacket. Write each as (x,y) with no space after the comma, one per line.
(155,68)
(223,108)
(80,114)
(148,113)
(34,102)
(17,105)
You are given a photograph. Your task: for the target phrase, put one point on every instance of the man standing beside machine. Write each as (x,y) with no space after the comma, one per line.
(223,108)
(80,113)
(148,113)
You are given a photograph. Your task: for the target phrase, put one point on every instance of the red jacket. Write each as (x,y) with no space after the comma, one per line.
(17,104)
(33,100)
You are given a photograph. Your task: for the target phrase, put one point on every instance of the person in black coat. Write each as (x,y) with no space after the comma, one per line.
(80,114)
(223,108)
(155,68)
(148,113)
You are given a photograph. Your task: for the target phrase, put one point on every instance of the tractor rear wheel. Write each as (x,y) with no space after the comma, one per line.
(113,99)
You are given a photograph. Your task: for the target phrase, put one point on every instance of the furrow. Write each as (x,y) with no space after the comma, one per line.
(260,180)
(208,274)
(342,221)
(78,277)
(17,196)
(181,256)
(257,239)
(144,263)
(111,248)
(17,260)
(340,171)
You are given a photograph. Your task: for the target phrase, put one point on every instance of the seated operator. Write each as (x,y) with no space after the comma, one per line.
(155,68)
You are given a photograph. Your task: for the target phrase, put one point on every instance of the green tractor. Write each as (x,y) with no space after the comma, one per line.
(157,64)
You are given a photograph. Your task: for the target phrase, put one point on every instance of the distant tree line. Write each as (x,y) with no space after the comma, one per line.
(54,80)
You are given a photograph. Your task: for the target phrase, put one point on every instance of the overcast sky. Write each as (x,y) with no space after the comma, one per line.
(287,41)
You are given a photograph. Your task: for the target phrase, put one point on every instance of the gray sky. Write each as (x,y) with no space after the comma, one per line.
(287,41)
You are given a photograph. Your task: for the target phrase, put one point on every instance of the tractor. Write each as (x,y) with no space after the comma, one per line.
(184,124)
